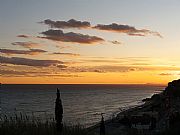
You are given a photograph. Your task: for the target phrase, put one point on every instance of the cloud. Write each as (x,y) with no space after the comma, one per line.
(18,73)
(26,44)
(102,60)
(105,69)
(121,28)
(30,62)
(63,47)
(132,31)
(122,68)
(59,35)
(23,36)
(166,74)
(72,23)
(115,42)
(98,71)
(120,60)
(26,52)
(68,54)
(116,68)
(62,66)
(22,73)
(140,63)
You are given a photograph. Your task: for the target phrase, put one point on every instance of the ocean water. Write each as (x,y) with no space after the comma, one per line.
(82,104)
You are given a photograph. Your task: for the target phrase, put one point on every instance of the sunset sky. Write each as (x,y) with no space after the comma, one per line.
(89,41)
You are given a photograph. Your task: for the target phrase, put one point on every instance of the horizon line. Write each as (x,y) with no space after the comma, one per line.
(83,84)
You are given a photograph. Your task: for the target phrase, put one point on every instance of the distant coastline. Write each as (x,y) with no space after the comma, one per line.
(163,108)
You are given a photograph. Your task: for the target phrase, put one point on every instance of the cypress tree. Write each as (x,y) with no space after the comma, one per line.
(102,126)
(58,112)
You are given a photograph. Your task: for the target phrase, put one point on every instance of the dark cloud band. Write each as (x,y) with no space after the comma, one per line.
(25,52)
(121,28)
(30,62)
(23,36)
(59,35)
(72,23)
(132,31)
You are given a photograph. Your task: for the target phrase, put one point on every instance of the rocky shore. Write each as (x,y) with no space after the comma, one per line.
(159,114)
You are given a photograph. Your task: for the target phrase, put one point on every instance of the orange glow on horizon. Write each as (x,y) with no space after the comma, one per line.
(93,78)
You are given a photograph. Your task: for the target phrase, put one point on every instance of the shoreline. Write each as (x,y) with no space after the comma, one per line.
(115,125)
(108,121)
(157,115)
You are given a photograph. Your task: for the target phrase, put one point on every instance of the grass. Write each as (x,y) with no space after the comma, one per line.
(26,125)
(30,125)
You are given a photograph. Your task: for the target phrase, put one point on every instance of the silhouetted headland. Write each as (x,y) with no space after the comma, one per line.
(159,114)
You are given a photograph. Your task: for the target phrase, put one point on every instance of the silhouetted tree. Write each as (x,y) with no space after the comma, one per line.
(58,112)
(102,126)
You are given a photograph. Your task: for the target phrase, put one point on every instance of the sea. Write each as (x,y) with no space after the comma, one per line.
(83,104)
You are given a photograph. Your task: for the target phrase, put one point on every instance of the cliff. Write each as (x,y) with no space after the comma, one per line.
(173,89)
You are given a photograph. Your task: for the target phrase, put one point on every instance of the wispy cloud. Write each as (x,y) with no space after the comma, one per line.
(115,42)
(22,73)
(23,36)
(101,60)
(30,62)
(59,35)
(105,69)
(72,23)
(26,44)
(130,30)
(122,69)
(11,73)
(25,52)
(68,54)
(140,64)
(166,74)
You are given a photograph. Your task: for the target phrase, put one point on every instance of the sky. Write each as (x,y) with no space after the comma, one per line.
(89,41)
